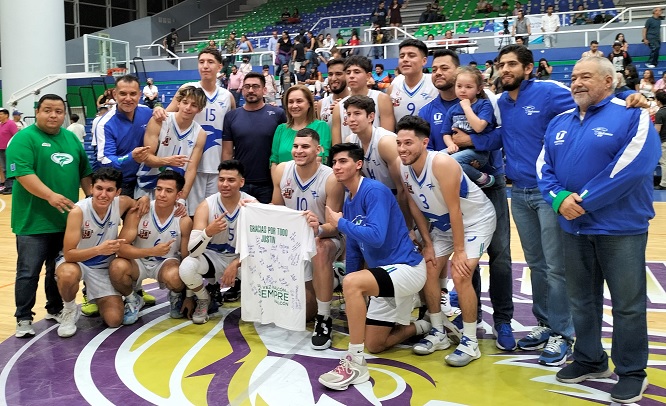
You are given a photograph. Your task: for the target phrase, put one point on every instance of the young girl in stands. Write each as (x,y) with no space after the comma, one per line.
(473,115)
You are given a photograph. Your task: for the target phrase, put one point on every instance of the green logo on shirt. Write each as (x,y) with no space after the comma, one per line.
(61,158)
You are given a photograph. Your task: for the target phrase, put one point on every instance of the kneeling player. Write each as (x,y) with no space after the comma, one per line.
(212,242)
(90,244)
(155,243)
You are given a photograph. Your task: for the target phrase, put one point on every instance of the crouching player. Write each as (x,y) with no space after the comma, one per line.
(155,243)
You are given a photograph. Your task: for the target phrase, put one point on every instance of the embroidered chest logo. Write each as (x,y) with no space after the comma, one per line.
(559,137)
(529,110)
(601,131)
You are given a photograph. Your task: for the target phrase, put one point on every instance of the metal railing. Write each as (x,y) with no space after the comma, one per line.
(629,12)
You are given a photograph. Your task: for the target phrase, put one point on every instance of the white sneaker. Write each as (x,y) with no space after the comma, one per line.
(349,372)
(434,341)
(68,319)
(200,315)
(466,352)
(445,304)
(56,317)
(24,328)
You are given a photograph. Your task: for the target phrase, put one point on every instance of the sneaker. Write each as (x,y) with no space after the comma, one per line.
(133,303)
(649,65)
(434,341)
(89,309)
(24,328)
(349,372)
(490,180)
(555,353)
(445,304)
(200,315)
(55,317)
(68,319)
(6,191)
(175,304)
(321,336)
(233,294)
(628,389)
(536,339)
(576,373)
(505,340)
(148,300)
(466,352)
(452,331)
(215,293)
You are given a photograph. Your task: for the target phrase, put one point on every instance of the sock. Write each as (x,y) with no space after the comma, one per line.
(324,308)
(202,294)
(70,305)
(356,350)
(469,330)
(422,327)
(443,283)
(437,321)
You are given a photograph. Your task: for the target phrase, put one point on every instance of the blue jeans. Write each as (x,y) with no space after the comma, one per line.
(33,252)
(499,252)
(465,156)
(620,261)
(262,191)
(654,45)
(541,240)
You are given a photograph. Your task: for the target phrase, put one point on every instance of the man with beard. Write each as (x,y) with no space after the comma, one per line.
(444,66)
(248,136)
(337,83)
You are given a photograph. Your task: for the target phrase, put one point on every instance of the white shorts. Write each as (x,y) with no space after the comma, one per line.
(150,269)
(475,245)
(97,280)
(407,280)
(220,263)
(205,184)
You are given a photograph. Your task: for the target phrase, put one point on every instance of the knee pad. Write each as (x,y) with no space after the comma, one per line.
(190,271)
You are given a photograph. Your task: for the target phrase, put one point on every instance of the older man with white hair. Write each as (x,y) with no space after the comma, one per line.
(595,170)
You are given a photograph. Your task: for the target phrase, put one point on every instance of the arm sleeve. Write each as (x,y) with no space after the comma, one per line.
(106,149)
(227,135)
(487,113)
(275,148)
(636,160)
(20,157)
(373,230)
(353,256)
(447,123)
(489,141)
(560,99)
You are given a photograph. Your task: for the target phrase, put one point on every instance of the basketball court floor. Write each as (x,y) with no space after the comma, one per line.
(163,361)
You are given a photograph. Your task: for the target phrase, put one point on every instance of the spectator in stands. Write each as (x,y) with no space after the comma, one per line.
(150,93)
(621,85)
(298,103)
(430,37)
(285,16)
(518,7)
(284,50)
(295,17)
(471,64)
(484,7)
(489,72)
(301,75)
(245,66)
(314,83)
(550,23)
(235,83)
(271,86)
(273,42)
(328,44)
(646,86)
(339,40)
(581,17)
(212,44)
(77,128)
(660,85)
(625,44)
(230,48)
(353,42)
(310,43)
(594,50)
(20,124)
(652,37)
(544,70)
(394,15)
(521,27)
(382,78)
(287,78)
(520,41)
(298,53)
(7,130)
(378,37)
(106,99)
(437,10)
(244,45)
(660,125)
(631,77)
(379,14)
(504,10)
(428,16)
(169,43)
(223,80)
(321,56)
(619,58)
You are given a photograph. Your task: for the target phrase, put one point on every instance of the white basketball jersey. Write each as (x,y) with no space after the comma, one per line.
(96,230)
(374,167)
(408,101)
(276,243)
(427,194)
(211,119)
(345,131)
(223,242)
(152,231)
(172,141)
(305,194)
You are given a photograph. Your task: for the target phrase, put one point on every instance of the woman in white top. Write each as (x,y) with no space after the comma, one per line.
(646,87)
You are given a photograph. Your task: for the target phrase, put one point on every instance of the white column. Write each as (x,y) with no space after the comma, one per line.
(33,46)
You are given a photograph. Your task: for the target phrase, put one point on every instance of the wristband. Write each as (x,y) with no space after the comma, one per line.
(182,201)
(320,230)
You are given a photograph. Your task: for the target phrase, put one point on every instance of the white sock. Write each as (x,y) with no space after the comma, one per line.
(356,350)
(422,327)
(324,308)
(469,330)
(202,294)
(437,321)
(443,283)
(69,305)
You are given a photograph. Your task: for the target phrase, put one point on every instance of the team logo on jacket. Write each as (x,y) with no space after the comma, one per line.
(601,131)
(62,158)
(529,110)
(559,137)
(437,118)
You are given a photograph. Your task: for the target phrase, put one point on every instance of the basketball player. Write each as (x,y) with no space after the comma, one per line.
(337,84)
(175,143)
(155,243)
(211,119)
(212,243)
(90,244)
(462,220)
(304,184)
(413,89)
(357,71)
(377,234)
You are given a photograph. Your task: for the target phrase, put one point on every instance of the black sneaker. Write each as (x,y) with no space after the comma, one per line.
(234,292)
(321,337)
(214,292)
(576,373)
(6,191)
(628,389)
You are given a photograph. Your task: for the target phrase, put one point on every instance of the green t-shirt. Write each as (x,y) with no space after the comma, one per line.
(59,161)
(283,141)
